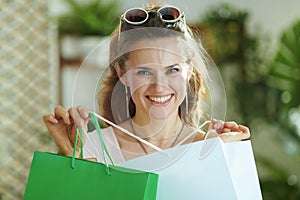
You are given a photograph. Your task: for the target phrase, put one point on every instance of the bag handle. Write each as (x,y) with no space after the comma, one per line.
(131,135)
(103,146)
(78,132)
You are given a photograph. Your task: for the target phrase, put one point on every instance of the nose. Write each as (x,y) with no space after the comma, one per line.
(160,78)
(159,82)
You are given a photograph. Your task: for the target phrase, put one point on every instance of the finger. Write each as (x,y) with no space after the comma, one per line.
(231,136)
(218,126)
(235,129)
(76,118)
(233,126)
(244,129)
(61,112)
(211,123)
(50,118)
(83,112)
(230,124)
(226,130)
(245,132)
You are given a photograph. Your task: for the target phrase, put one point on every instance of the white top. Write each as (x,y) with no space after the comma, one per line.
(92,147)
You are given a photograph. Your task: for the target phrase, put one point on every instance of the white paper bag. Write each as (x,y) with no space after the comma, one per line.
(208,169)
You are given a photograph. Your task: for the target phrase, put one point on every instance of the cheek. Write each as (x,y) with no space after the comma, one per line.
(137,93)
(136,88)
(135,84)
(179,86)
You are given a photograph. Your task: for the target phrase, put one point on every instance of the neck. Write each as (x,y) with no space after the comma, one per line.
(157,131)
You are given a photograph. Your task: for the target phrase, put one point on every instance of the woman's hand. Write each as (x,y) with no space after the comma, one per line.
(62,126)
(228,131)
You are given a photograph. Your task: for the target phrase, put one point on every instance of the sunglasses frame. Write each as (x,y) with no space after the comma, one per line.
(168,22)
(181,15)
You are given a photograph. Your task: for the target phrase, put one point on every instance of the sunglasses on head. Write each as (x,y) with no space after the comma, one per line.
(138,16)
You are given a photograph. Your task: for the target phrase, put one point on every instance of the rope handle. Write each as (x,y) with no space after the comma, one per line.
(103,146)
(105,152)
(78,132)
(131,134)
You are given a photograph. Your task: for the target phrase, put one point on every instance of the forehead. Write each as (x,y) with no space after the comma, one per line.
(163,51)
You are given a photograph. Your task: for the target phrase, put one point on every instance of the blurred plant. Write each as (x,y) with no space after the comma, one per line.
(90,18)
(224,27)
(285,77)
(260,91)
(228,42)
(282,186)
(285,69)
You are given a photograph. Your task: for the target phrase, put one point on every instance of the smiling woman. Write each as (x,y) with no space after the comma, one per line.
(155,80)
(156,87)
(155,57)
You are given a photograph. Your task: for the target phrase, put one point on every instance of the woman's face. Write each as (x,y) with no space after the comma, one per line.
(157,77)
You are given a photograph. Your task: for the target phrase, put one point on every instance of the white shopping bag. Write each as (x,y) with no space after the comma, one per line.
(209,170)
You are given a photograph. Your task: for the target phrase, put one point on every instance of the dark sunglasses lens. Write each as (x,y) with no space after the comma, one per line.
(136,15)
(169,13)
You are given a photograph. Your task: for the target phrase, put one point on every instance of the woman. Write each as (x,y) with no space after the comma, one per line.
(155,89)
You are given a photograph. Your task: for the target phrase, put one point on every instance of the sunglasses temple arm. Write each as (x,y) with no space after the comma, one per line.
(119,32)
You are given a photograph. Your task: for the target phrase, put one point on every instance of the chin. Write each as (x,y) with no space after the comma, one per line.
(159,113)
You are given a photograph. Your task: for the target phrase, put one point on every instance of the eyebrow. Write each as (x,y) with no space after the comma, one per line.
(142,67)
(170,66)
(149,68)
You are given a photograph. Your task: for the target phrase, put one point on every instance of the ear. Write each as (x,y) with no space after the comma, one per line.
(120,73)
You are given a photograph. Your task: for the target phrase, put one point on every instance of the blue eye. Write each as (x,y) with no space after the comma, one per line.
(143,73)
(172,70)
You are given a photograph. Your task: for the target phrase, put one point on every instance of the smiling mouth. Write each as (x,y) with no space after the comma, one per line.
(160,100)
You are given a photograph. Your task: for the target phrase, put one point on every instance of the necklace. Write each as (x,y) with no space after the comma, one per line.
(143,147)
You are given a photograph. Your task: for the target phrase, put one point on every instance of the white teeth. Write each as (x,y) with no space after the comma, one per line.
(160,99)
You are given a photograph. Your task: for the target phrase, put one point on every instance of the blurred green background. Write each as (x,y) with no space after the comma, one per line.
(260,69)
(263,92)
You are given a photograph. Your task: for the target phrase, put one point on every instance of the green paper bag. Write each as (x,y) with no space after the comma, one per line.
(52,178)
(57,177)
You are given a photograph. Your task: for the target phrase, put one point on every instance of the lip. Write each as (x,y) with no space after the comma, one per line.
(160,100)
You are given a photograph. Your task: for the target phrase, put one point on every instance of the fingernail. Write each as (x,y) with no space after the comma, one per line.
(68,121)
(217,125)
(54,121)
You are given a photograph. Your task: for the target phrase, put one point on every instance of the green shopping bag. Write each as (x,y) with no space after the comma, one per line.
(57,177)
